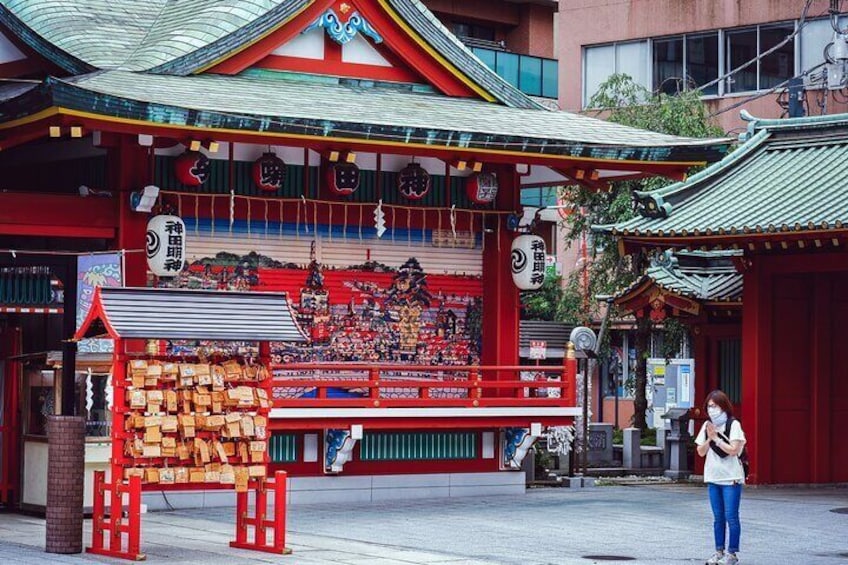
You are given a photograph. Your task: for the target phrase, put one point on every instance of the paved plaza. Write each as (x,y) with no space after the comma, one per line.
(657,524)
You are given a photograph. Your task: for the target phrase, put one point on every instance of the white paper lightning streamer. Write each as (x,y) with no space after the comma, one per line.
(453,222)
(297,223)
(560,439)
(89,392)
(197,215)
(109,393)
(305,214)
(248,217)
(232,209)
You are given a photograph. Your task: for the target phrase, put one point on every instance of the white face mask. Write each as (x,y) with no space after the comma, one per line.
(716,415)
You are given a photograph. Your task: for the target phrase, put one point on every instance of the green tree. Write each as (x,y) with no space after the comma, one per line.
(544,303)
(623,101)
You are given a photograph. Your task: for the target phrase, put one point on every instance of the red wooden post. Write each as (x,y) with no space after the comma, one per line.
(97,511)
(261,539)
(134,518)
(280,490)
(569,376)
(241,518)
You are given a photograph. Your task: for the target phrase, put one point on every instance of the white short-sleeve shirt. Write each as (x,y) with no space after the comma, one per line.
(723,470)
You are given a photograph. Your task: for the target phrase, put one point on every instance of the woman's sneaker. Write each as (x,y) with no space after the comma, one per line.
(716,558)
(729,559)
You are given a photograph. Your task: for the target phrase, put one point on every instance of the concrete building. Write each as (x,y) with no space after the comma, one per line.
(658,42)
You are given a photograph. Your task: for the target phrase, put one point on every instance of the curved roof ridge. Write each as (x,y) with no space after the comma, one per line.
(759,124)
(40,44)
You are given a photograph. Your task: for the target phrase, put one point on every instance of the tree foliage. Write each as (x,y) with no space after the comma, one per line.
(623,101)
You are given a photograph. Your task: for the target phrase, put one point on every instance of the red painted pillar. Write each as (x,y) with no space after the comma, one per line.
(756,369)
(821,373)
(128,170)
(500,299)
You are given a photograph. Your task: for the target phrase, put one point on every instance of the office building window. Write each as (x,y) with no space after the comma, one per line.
(685,62)
(601,62)
(670,64)
(770,70)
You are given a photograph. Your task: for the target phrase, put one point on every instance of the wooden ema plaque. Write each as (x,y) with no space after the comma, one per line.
(181,425)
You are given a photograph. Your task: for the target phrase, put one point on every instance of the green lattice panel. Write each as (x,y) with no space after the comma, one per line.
(418,446)
(283,448)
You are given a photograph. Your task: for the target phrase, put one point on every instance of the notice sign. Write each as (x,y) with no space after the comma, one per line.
(538,350)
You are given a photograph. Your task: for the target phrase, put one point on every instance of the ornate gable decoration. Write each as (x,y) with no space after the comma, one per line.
(344,32)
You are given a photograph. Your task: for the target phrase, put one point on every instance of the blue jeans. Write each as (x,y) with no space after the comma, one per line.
(724,500)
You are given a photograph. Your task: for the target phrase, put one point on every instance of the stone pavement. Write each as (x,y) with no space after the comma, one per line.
(656,524)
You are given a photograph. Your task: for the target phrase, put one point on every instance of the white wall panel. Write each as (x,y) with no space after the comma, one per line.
(335,251)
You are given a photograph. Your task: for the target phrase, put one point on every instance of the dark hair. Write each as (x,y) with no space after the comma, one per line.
(720,400)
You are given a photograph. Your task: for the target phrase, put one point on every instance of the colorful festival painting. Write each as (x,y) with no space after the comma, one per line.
(94,271)
(363,313)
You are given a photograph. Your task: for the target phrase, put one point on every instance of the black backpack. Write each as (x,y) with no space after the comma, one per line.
(743,456)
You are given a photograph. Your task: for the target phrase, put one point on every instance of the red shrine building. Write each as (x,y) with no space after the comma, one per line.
(754,262)
(353,155)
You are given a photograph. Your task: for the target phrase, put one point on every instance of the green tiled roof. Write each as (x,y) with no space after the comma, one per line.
(355,111)
(185,36)
(789,176)
(130,34)
(708,276)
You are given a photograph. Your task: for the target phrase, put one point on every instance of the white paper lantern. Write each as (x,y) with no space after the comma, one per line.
(166,245)
(528,261)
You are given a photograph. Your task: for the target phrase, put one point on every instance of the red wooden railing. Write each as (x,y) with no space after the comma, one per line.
(352,385)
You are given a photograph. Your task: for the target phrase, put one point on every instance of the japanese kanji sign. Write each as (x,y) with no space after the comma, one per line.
(528,261)
(269,173)
(165,245)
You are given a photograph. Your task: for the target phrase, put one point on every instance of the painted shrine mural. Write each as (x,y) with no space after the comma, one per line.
(364,313)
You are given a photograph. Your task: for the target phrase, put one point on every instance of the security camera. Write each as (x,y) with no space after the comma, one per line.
(145,200)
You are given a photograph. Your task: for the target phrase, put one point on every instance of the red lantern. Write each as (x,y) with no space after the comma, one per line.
(269,173)
(343,178)
(413,182)
(192,168)
(482,188)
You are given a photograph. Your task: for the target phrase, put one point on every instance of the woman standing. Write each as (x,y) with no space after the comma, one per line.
(721,440)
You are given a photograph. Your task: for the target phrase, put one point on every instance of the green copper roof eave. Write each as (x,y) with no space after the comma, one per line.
(721,286)
(231,43)
(717,168)
(42,46)
(217,102)
(422,20)
(787,179)
(806,122)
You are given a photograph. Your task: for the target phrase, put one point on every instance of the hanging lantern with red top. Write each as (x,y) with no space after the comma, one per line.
(269,173)
(343,178)
(192,168)
(413,182)
(482,188)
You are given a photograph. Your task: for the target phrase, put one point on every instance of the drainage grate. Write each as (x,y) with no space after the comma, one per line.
(840,510)
(609,557)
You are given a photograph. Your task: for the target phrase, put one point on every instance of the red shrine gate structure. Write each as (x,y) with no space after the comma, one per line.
(354,155)
(759,272)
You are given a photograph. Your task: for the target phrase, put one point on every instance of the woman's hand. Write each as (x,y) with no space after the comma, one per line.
(712,433)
